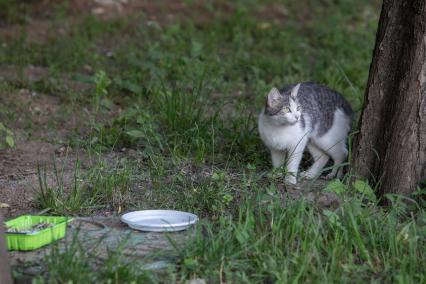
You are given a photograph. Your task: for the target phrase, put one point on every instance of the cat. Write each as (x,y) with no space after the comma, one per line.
(306,115)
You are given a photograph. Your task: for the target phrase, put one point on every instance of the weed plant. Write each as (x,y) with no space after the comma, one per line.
(101,187)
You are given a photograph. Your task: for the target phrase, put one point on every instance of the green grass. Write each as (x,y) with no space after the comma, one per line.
(300,244)
(74,263)
(266,242)
(102,187)
(176,106)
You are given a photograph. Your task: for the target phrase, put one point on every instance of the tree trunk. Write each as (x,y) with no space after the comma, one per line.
(390,148)
(5,276)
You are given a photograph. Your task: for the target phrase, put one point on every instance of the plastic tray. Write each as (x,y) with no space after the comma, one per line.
(31,241)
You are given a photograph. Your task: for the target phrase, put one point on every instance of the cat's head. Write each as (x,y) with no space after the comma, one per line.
(283,108)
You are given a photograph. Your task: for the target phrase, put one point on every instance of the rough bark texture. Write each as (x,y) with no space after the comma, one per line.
(390,148)
(5,276)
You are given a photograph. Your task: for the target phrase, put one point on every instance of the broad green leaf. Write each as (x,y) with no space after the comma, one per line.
(251,166)
(334,219)
(83,78)
(10,142)
(136,133)
(336,186)
(331,216)
(363,188)
(196,48)
(128,86)
(107,103)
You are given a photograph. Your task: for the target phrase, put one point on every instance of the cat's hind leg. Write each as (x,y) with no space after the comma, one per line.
(320,160)
(334,142)
(338,153)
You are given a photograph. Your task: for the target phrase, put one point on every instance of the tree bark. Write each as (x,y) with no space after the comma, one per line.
(390,148)
(5,276)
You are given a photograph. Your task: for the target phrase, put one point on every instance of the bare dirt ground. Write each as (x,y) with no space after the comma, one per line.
(41,125)
(18,170)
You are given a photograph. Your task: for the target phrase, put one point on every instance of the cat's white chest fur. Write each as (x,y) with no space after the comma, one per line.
(278,137)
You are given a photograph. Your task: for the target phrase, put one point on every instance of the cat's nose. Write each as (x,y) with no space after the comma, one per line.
(296,117)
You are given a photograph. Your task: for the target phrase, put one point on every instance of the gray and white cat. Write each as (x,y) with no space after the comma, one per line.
(306,115)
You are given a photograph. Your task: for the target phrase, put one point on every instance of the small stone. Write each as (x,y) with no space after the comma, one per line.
(36,110)
(88,68)
(60,150)
(310,197)
(106,2)
(197,281)
(4,205)
(36,270)
(98,11)
(23,91)
(328,200)
(264,25)
(132,153)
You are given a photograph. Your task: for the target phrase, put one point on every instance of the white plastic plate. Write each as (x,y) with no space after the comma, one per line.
(159,220)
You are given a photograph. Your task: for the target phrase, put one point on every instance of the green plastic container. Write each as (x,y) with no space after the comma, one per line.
(31,241)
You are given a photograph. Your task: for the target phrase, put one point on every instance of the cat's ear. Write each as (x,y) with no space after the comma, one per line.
(294,91)
(274,98)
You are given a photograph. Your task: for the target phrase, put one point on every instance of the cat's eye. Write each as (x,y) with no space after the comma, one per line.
(286,109)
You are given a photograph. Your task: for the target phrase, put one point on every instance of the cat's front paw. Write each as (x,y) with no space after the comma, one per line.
(330,176)
(290,179)
(307,175)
